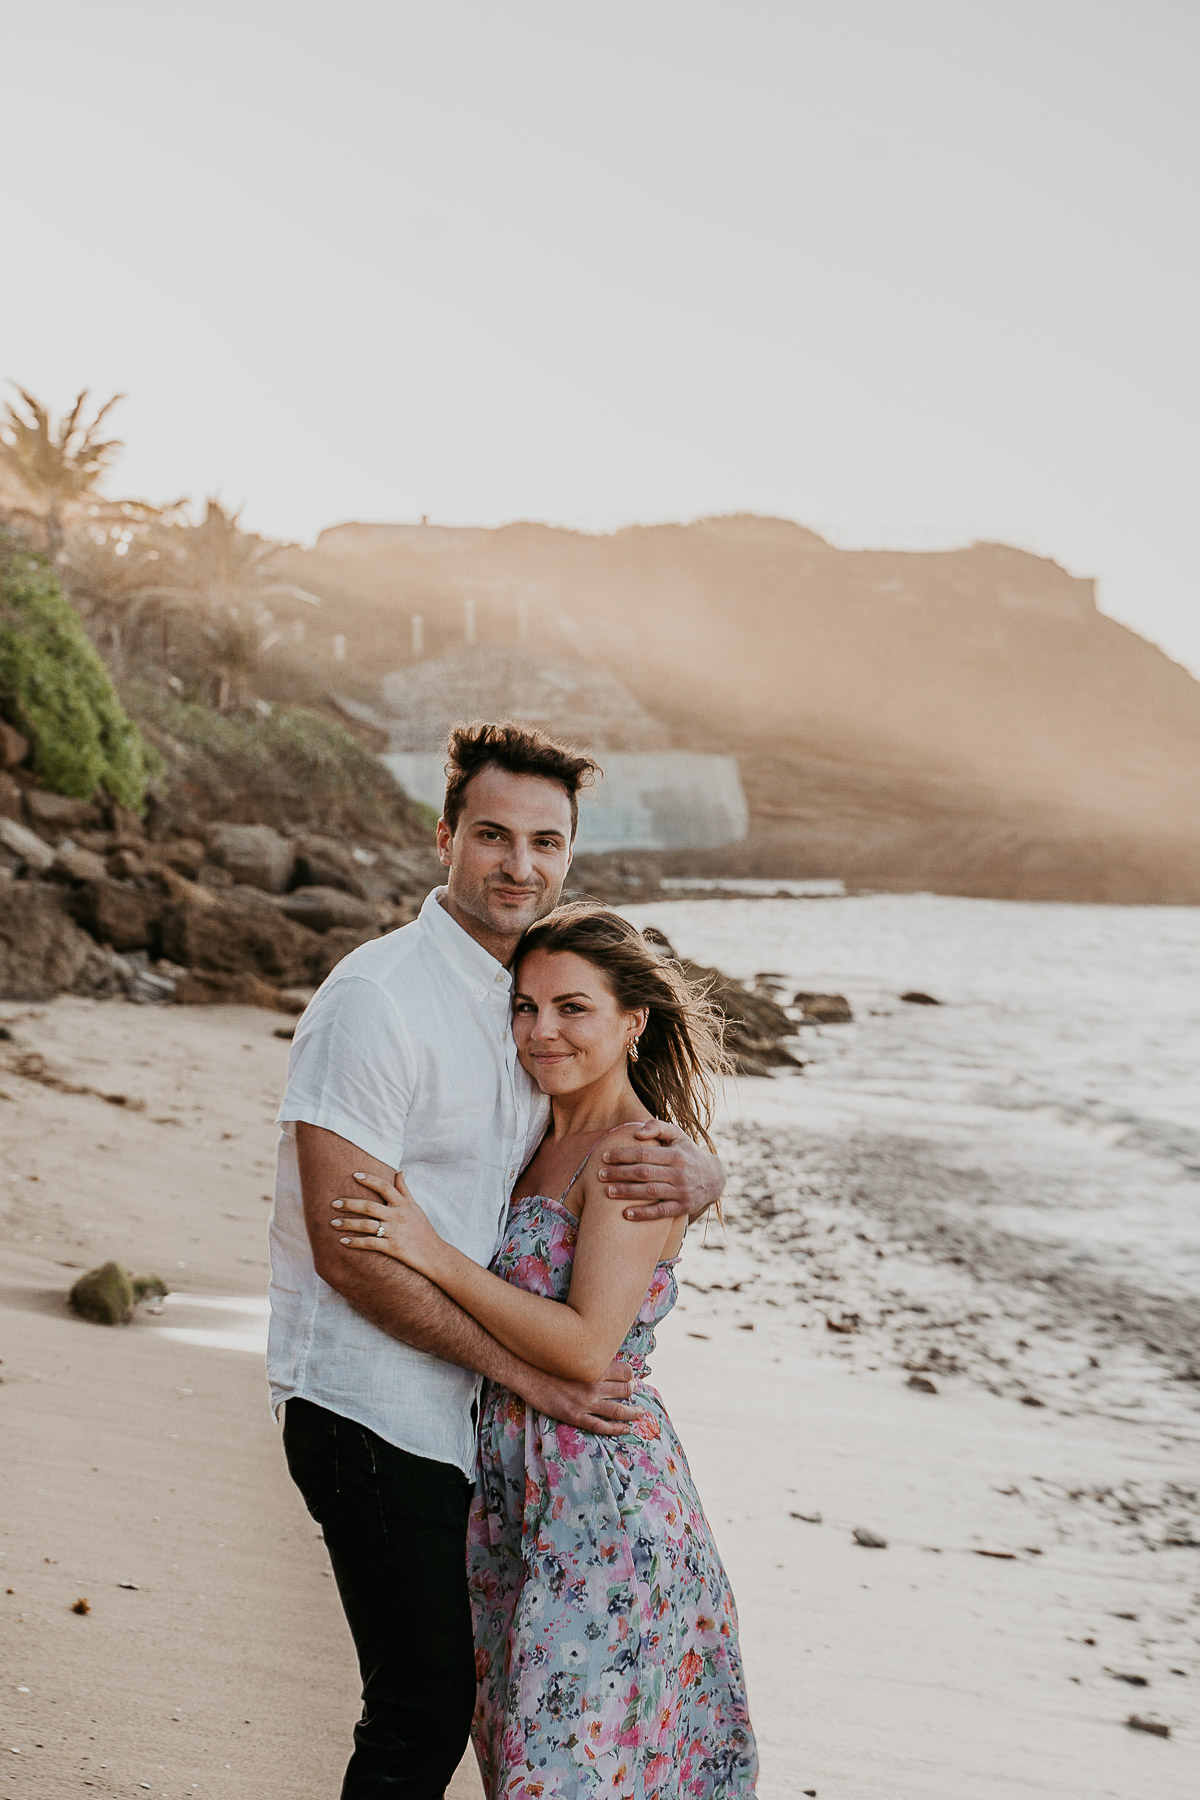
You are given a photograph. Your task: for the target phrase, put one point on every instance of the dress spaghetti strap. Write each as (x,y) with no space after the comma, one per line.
(587,1159)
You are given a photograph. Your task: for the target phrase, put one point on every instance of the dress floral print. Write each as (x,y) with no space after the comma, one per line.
(605,1628)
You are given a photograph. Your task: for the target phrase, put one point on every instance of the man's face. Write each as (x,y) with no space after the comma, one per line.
(508,856)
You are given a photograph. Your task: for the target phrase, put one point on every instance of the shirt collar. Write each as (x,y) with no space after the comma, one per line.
(470,958)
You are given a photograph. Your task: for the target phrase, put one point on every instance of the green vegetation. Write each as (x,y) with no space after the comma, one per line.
(293,764)
(56,691)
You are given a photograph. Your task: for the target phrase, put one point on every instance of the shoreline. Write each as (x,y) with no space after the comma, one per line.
(954,1665)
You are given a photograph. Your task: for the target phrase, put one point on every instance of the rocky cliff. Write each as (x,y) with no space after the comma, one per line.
(965,720)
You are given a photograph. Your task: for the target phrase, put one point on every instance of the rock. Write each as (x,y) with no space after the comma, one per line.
(149,1287)
(824,1009)
(845,1325)
(184,855)
(124,824)
(125,917)
(82,1607)
(42,950)
(13,747)
(326,908)
(127,864)
(254,854)
(226,990)
(1133,1680)
(868,1539)
(146,986)
(77,865)
(324,862)
(334,946)
(916,998)
(813,1518)
(921,1383)
(1031,1400)
(10,797)
(104,975)
(104,1296)
(294,1000)
(755,1024)
(58,811)
(238,936)
(26,844)
(178,887)
(1153,1726)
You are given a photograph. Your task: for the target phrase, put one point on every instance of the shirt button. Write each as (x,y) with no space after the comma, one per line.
(479,990)
(501,979)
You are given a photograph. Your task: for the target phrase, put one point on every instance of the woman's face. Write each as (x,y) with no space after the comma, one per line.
(568,1027)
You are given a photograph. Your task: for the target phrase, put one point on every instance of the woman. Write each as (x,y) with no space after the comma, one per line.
(605,1629)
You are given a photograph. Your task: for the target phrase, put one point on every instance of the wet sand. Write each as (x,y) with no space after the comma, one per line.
(923,1671)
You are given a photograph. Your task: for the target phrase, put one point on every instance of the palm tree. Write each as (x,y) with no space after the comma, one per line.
(54,470)
(219,575)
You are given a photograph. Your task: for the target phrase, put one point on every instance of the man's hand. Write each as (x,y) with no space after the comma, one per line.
(600,1407)
(666,1175)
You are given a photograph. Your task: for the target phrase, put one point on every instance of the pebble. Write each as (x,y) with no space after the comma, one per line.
(868,1539)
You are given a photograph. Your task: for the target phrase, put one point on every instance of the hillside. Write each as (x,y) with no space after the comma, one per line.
(965,720)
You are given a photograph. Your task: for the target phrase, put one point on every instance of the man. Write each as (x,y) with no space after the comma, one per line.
(406,1058)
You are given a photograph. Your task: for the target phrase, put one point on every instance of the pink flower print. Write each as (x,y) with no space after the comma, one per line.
(656,1772)
(531,1273)
(647,1427)
(690,1667)
(571,1443)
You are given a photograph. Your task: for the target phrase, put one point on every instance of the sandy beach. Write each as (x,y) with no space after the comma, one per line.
(1039,1584)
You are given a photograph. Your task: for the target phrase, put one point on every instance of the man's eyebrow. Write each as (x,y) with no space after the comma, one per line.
(542,830)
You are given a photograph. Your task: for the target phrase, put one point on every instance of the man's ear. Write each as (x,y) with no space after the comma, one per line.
(445,843)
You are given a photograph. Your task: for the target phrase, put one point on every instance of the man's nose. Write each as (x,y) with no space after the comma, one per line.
(518,863)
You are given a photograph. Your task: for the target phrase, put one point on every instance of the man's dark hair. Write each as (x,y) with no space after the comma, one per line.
(522,751)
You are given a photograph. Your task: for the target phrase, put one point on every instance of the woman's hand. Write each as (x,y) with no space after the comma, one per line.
(394,1225)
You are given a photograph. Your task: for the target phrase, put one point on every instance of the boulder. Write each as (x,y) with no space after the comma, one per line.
(77,865)
(104,975)
(254,854)
(42,950)
(125,917)
(126,863)
(325,862)
(59,812)
(755,1024)
(184,855)
(10,797)
(334,946)
(213,989)
(104,1296)
(326,908)
(237,937)
(825,1009)
(13,747)
(26,844)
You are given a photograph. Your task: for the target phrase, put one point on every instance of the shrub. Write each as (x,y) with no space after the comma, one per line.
(56,691)
(295,766)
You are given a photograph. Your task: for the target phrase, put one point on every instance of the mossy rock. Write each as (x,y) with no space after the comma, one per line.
(149,1287)
(55,690)
(104,1296)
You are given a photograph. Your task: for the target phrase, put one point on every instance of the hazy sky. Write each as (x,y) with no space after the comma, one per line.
(908,271)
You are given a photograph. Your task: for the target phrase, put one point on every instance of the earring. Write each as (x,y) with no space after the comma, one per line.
(633,1050)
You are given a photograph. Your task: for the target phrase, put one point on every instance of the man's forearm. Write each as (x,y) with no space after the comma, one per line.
(414,1311)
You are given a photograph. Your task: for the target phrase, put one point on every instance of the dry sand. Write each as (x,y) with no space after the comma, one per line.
(923,1671)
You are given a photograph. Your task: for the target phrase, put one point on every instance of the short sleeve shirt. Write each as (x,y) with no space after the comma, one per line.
(406,1051)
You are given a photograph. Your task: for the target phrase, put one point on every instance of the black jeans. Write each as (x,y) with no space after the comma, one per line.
(395,1527)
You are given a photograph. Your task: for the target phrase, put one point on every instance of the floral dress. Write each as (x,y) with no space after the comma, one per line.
(605,1628)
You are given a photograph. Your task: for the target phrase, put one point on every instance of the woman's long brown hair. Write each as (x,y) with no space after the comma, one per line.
(680,1052)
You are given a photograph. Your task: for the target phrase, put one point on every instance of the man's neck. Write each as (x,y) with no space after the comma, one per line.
(502,948)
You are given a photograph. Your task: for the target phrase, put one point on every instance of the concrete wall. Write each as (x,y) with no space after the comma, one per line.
(651,800)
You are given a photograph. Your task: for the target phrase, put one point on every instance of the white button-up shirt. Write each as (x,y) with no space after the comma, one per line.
(407,1051)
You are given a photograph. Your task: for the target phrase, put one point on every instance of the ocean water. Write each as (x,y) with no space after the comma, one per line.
(1055,1091)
